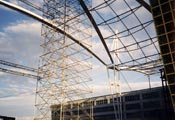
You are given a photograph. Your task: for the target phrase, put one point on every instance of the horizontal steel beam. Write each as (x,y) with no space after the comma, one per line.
(20,73)
(18,66)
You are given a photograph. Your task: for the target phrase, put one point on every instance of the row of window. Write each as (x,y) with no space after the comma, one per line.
(110,108)
(145,96)
(164,5)
(146,105)
(128,98)
(153,114)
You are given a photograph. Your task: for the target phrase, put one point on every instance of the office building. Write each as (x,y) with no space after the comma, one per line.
(147,104)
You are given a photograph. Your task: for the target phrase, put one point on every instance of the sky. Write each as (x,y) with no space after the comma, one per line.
(20,39)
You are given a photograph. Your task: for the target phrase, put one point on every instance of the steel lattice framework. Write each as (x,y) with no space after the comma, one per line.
(67,46)
(137,42)
(64,64)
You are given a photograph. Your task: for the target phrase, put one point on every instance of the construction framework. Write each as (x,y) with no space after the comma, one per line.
(64,64)
(67,45)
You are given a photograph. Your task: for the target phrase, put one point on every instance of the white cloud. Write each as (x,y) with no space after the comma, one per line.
(140,85)
(25,118)
(103,88)
(20,43)
(1,73)
(25,27)
(18,106)
(22,40)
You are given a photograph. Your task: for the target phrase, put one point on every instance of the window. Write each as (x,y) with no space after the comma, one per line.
(87,104)
(173,98)
(133,115)
(165,7)
(171,79)
(162,39)
(105,117)
(67,113)
(149,114)
(167,17)
(151,104)
(173,54)
(132,98)
(132,106)
(75,105)
(172,46)
(67,106)
(154,114)
(169,68)
(99,102)
(167,59)
(163,1)
(114,100)
(170,27)
(103,109)
(160,30)
(172,89)
(156,11)
(150,95)
(158,20)
(164,49)
(174,14)
(154,3)
(171,36)
(173,4)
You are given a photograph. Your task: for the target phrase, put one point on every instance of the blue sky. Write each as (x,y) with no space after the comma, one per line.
(9,16)
(20,41)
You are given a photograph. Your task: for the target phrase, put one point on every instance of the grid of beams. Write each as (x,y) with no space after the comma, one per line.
(137,40)
(134,29)
(164,17)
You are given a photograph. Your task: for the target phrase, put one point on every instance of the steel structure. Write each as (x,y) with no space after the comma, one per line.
(27,71)
(139,34)
(65,63)
(65,27)
(165,28)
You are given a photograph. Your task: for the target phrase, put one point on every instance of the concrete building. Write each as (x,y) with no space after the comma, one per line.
(147,104)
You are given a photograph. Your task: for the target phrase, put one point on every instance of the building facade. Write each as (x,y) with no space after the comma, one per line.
(163,12)
(147,104)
